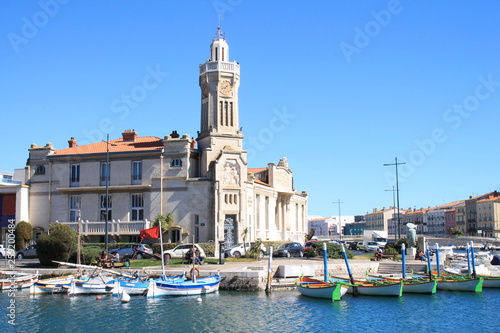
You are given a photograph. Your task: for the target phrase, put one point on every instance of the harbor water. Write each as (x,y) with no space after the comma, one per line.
(226,311)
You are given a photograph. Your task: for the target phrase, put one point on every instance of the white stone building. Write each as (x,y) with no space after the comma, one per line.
(205,183)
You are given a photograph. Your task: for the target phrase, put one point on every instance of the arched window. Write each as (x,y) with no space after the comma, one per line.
(176,163)
(40,170)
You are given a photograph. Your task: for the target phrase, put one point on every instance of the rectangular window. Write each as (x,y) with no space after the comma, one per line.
(105,206)
(74,208)
(105,174)
(136,172)
(196,234)
(197,219)
(74,175)
(137,207)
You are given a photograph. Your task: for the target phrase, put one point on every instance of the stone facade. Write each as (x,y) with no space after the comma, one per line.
(205,183)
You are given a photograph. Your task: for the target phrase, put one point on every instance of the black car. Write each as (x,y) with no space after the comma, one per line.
(292,249)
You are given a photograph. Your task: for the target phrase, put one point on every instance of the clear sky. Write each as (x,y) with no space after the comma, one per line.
(338,87)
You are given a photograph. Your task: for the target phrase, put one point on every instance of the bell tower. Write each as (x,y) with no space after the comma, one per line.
(219,83)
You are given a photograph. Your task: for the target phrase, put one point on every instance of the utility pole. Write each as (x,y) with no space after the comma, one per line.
(396,163)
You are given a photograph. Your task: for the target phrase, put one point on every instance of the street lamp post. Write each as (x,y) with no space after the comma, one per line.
(394,209)
(340,222)
(397,191)
(107,179)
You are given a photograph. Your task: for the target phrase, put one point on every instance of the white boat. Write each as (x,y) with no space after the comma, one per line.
(414,286)
(320,289)
(198,286)
(463,284)
(138,286)
(15,280)
(97,284)
(372,288)
(59,284)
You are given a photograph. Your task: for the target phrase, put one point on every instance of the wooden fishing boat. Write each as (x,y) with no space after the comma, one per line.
(456,282)
(138,286)
(15,280)
(96,284)
(60,284)
(197,286)
(372,288)
(321,289)
(415,286)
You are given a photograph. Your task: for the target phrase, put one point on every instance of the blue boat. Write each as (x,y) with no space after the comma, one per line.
(196,286)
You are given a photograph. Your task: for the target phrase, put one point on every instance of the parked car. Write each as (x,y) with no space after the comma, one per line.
(6,252)
(308,245)
(356,246)
(179,252)
(129,249)
(371,246)
(29,252)
(239,251)
(289,250)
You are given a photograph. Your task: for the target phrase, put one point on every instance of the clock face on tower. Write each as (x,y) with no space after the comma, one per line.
(225,87)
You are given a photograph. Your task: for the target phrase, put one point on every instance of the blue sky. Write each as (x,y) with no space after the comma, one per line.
(338,87)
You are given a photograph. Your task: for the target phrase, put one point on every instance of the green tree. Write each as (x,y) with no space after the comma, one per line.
(23,232)
(60,244)
(310,235)
(456,232)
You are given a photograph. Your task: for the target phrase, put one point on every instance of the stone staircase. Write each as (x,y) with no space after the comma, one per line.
(388,267)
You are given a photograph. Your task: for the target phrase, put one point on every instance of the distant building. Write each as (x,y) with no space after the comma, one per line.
(13,200)
(488,217)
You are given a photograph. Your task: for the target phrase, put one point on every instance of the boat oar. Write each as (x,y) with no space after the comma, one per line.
(325,263)
(354,289)
(403,259)
(473,259)
(469,270)
(429,267)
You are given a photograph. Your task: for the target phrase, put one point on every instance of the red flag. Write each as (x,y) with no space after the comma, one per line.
(153,232)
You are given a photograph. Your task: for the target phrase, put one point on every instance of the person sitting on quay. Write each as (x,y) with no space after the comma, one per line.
(103,258)
(115,258)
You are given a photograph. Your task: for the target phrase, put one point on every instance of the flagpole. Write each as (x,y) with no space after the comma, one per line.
(161,246)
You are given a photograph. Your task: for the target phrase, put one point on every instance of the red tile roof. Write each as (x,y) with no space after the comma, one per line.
(116,145)
(255,170)
(258,181)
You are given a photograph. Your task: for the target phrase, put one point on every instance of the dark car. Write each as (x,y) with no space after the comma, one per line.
(129,249)
(308,245)
(289,250)
(29,252)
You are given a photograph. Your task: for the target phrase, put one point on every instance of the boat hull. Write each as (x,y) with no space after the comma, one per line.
(414,286)
(137,286)
(471,285)
(18,281)
(491,281)
(393,289)
(52,286)
(320,289)
(184,288)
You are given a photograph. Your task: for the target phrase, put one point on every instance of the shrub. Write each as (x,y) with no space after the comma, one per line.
(58,244)
(23,233)
(334,250)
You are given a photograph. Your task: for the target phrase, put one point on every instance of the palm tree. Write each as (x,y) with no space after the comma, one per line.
(244,234)
(166,221)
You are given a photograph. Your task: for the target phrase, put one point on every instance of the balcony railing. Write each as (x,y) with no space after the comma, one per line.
(232,67)
(115,228)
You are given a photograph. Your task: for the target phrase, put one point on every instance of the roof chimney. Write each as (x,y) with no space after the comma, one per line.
(129,135)
(72,142)
(174,135)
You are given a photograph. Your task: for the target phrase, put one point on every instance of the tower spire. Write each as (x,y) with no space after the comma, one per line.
(219,34)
